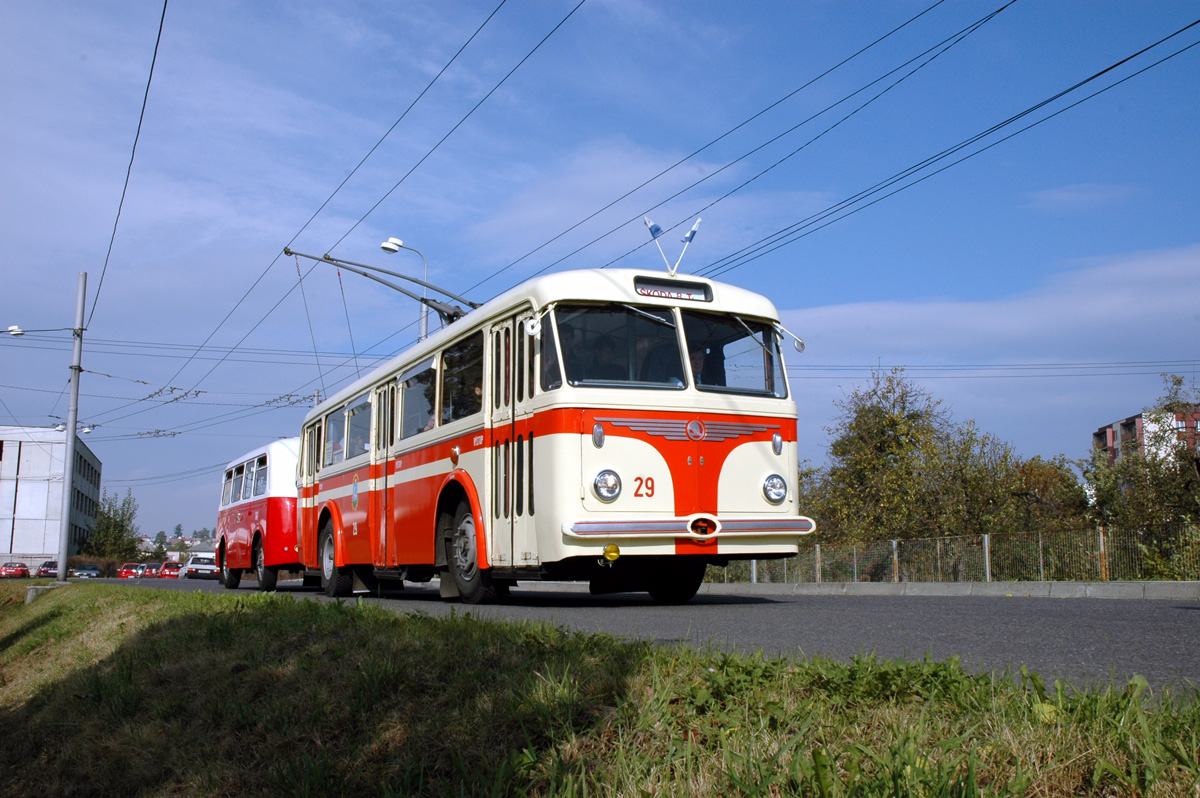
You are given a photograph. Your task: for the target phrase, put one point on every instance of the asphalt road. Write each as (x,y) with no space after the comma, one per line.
(1082,641)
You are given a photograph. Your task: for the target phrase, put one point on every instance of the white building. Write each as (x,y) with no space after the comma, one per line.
(31,493)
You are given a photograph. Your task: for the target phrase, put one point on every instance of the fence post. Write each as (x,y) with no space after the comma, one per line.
(1041,559)
(818,575)
(854,552)
(1103,558)
(987,558)
(895,563)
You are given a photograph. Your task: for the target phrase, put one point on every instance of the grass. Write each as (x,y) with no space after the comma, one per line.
(106,690)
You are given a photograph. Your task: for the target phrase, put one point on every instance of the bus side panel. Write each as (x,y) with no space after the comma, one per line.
(237,537)
(415,509)
(279,532)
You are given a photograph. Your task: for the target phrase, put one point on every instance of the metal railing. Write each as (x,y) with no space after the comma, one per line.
(1104,554)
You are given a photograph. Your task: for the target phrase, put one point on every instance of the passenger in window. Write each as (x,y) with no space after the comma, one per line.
(606,366)
(696,356)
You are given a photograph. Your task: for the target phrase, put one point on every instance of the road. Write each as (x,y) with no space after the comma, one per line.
(1082,641)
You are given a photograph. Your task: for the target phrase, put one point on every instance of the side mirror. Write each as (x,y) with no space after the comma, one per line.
(533,326)
(796,342)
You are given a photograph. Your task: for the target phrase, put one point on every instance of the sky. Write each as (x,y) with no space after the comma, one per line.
(998,197)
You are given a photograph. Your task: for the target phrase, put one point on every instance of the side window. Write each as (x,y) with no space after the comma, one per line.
(551,375)
(358,422)
(260,476)
(227,487)
(335,435)
(462,379)
(235,492)
(248,482)
(419,387)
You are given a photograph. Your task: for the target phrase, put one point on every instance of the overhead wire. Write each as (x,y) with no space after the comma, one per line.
(792,233)
(129,169)
(303,227)
(718,139)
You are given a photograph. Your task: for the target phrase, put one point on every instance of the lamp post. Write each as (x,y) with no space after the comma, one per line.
(64,533)
(394,245)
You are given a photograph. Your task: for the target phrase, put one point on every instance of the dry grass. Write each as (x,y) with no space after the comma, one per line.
(106,690)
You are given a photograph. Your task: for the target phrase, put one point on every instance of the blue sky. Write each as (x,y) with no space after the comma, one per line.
(1039,287)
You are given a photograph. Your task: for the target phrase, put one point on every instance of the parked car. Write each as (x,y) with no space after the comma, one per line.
(14,570)
(170,570)
(150,570)
(202,566)
(86,571)
(48,568)
(129,571)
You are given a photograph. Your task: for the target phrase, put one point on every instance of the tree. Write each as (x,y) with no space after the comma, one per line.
(900,467)
(115,534)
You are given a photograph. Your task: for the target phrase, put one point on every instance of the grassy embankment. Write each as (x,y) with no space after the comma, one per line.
(106,690)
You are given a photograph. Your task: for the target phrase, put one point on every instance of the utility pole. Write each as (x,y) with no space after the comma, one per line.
(68,497)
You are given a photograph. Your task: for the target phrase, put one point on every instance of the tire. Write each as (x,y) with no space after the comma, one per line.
(267,577)
(230,577)
(679,581)
(474,583)
(334,581)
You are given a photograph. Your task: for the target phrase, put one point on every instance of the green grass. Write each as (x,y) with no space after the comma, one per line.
(106,690)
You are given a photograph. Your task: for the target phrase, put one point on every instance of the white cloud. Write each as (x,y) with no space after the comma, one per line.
(1078,198)
(1137,308)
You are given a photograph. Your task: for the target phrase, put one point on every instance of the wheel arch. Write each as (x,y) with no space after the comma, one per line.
(331,515)
(458,487)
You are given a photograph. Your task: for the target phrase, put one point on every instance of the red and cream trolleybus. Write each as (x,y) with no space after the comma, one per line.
(620,427)
(256,523)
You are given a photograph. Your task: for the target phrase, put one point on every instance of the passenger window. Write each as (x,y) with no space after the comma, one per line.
(462,379)
(418,397)
(248,482)
(227,488)
(358,421)
(236,491)
(335,434)
(260,476)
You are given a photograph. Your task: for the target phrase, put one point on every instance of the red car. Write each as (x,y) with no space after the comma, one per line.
(128,571)
(14,570)
(150,570)
(170,570)
(48,568)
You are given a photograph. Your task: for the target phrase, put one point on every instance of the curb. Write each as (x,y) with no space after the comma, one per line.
(1171,591)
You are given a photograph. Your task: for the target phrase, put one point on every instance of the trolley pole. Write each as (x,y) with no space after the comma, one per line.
(64,536)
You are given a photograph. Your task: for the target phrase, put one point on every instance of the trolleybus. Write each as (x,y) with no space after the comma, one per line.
(256,523)
(620,427)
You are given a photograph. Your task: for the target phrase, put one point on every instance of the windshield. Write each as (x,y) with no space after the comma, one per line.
(627,346)
(617,345)
(733,355)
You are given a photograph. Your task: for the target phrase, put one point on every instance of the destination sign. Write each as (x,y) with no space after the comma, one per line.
(672,289)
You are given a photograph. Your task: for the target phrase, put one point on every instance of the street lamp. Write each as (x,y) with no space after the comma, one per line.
(394,245)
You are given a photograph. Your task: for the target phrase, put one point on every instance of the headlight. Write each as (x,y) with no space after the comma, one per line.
(607,485)
(775,489)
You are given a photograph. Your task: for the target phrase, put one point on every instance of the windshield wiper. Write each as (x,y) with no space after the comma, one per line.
(753,336)
(651,316)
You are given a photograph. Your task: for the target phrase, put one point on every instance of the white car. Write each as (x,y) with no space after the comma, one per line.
(201,566)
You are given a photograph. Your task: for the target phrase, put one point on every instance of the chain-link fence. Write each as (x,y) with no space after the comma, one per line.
(1168,552)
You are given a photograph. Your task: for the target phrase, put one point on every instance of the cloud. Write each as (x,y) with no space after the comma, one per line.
(1078,198)
(1041,369)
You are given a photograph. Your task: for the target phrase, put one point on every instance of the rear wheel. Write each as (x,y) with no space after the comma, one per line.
(679,581)
(335,581)
(230,577)
(267,577)
(474,583)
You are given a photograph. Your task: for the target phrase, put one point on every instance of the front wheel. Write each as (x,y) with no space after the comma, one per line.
(474,583)
(230,577)
(267,577)
(679,581)
(335,581)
